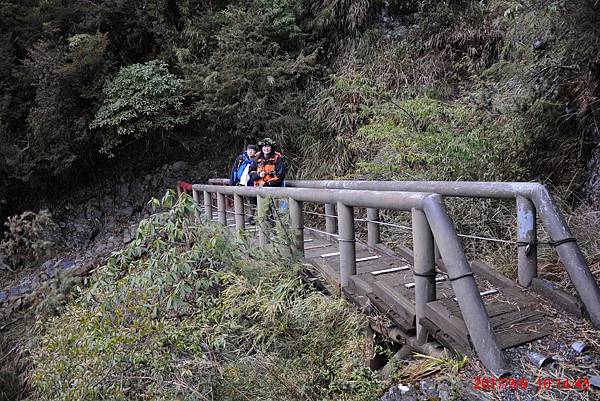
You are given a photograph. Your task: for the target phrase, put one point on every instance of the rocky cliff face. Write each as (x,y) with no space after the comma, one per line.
(94,221)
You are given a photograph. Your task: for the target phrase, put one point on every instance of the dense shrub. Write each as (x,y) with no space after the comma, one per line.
(186,313)
(142,99)
(30,239)
(278,67)
(424,138)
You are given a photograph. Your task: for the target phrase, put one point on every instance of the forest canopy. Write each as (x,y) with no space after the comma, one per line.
(83,79)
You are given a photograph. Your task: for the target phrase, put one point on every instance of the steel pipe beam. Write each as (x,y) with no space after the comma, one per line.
(330,219)
(196,197)
(261,220)
(526,241)
(221,209)
(373,233)
(464,286)
(569,253)
(470,189)
(424,270)
(208,205)
(377,199)
(238,210)
(297,225)
(347,243)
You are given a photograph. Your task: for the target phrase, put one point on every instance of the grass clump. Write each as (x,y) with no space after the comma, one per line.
(423,138)
(31,238)
(187,312)
(426,365)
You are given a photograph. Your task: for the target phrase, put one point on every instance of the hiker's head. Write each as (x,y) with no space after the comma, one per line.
(251,150)
(266,149)
(267,145)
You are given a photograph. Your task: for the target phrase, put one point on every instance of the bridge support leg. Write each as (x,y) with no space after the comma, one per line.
(347,243)
(208,205)
(297,225)
(261,223)
(330,219)
(424,272)
(373,235)
(196,197)
(221,211)
(569,253)
(238,210)
(527,241)
(464,286)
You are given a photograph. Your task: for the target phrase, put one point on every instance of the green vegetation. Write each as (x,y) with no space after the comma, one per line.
(30,239)
(518,80)
(448,90)
(423,138)
(489,89)
(187,312)
(141,100)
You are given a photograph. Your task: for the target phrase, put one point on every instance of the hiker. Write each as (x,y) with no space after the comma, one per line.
(241,170)
(243,164)
(270,171)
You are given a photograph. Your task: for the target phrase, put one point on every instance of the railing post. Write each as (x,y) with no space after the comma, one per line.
(526,241)
(238,212)
(196,197)
(373,237)
(424,254)
(330,219)
(297,224)
(464,286)
(221,211)
(346,242)
(208,205)
(261,223)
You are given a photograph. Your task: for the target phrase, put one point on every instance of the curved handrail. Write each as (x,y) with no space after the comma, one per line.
(542,203)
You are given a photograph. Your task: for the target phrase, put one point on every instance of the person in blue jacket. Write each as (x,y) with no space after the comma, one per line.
(241,174)
(242,166)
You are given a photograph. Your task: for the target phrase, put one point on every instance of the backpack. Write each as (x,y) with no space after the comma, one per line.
(243,180)
(242,173)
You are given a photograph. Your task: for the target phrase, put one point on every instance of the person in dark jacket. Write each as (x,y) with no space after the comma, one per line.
(241,174)
(243,166)
(270,171)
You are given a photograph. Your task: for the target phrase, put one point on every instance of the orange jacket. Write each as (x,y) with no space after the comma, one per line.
(272,166)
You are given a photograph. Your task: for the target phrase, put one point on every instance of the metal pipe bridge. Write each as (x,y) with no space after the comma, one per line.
(431,291)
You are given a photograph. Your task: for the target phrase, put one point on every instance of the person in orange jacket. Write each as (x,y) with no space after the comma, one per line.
(270,171)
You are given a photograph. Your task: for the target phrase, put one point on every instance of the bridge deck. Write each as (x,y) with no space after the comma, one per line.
(384,280)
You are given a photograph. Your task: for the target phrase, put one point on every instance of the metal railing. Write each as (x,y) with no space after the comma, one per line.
(431,226)
(532,200)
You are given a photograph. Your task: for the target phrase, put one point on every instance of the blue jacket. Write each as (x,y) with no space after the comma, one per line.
(238,167)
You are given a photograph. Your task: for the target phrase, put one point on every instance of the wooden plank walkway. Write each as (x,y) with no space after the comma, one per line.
(385,281)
